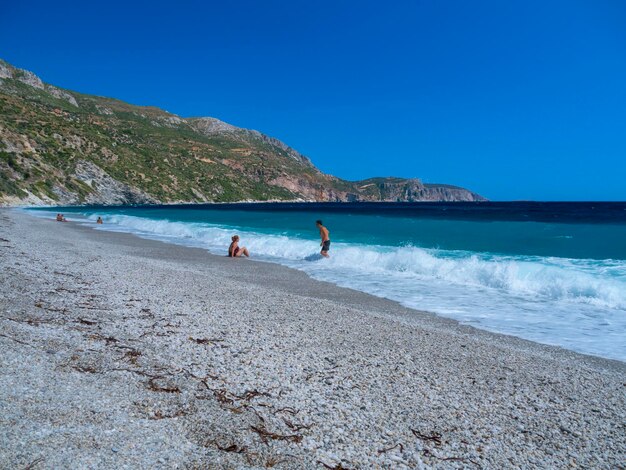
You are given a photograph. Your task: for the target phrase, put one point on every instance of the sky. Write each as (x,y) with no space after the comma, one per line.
(512,99)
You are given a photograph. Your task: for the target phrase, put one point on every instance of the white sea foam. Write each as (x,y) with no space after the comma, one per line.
(578,304)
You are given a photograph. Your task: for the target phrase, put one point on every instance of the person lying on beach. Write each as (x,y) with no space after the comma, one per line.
(99,221)
(325,244)
(63,219)
(234,251)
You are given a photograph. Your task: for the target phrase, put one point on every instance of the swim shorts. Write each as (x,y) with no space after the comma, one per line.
(326,245)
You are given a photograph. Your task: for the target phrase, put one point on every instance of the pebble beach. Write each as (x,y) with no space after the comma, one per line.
(121,352)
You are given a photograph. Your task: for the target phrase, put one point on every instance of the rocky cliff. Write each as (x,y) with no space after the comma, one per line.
(61,147)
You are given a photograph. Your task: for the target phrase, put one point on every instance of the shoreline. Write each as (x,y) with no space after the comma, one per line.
(402,309)
(362,372)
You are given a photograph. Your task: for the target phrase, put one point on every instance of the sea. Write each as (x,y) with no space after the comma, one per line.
(549,272)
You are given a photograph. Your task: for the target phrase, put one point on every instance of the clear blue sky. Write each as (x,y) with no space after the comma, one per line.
(513,99)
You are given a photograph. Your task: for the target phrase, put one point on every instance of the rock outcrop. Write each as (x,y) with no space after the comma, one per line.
(108,190)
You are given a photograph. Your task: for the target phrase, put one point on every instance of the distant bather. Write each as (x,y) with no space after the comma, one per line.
(234,251)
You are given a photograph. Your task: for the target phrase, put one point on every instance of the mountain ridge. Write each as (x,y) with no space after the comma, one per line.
(60,147)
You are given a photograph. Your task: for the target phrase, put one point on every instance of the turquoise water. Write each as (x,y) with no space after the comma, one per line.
(550,273)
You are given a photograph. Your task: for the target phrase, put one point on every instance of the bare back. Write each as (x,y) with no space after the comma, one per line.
(324,233)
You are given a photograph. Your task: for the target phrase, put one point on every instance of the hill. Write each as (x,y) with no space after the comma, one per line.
(62,147)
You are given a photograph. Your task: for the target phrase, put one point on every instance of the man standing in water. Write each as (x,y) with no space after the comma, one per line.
(325,244)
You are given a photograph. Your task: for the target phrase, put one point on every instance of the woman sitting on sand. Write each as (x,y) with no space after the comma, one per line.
(234,251)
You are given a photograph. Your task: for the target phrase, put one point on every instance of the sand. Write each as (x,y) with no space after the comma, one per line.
(120,352)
